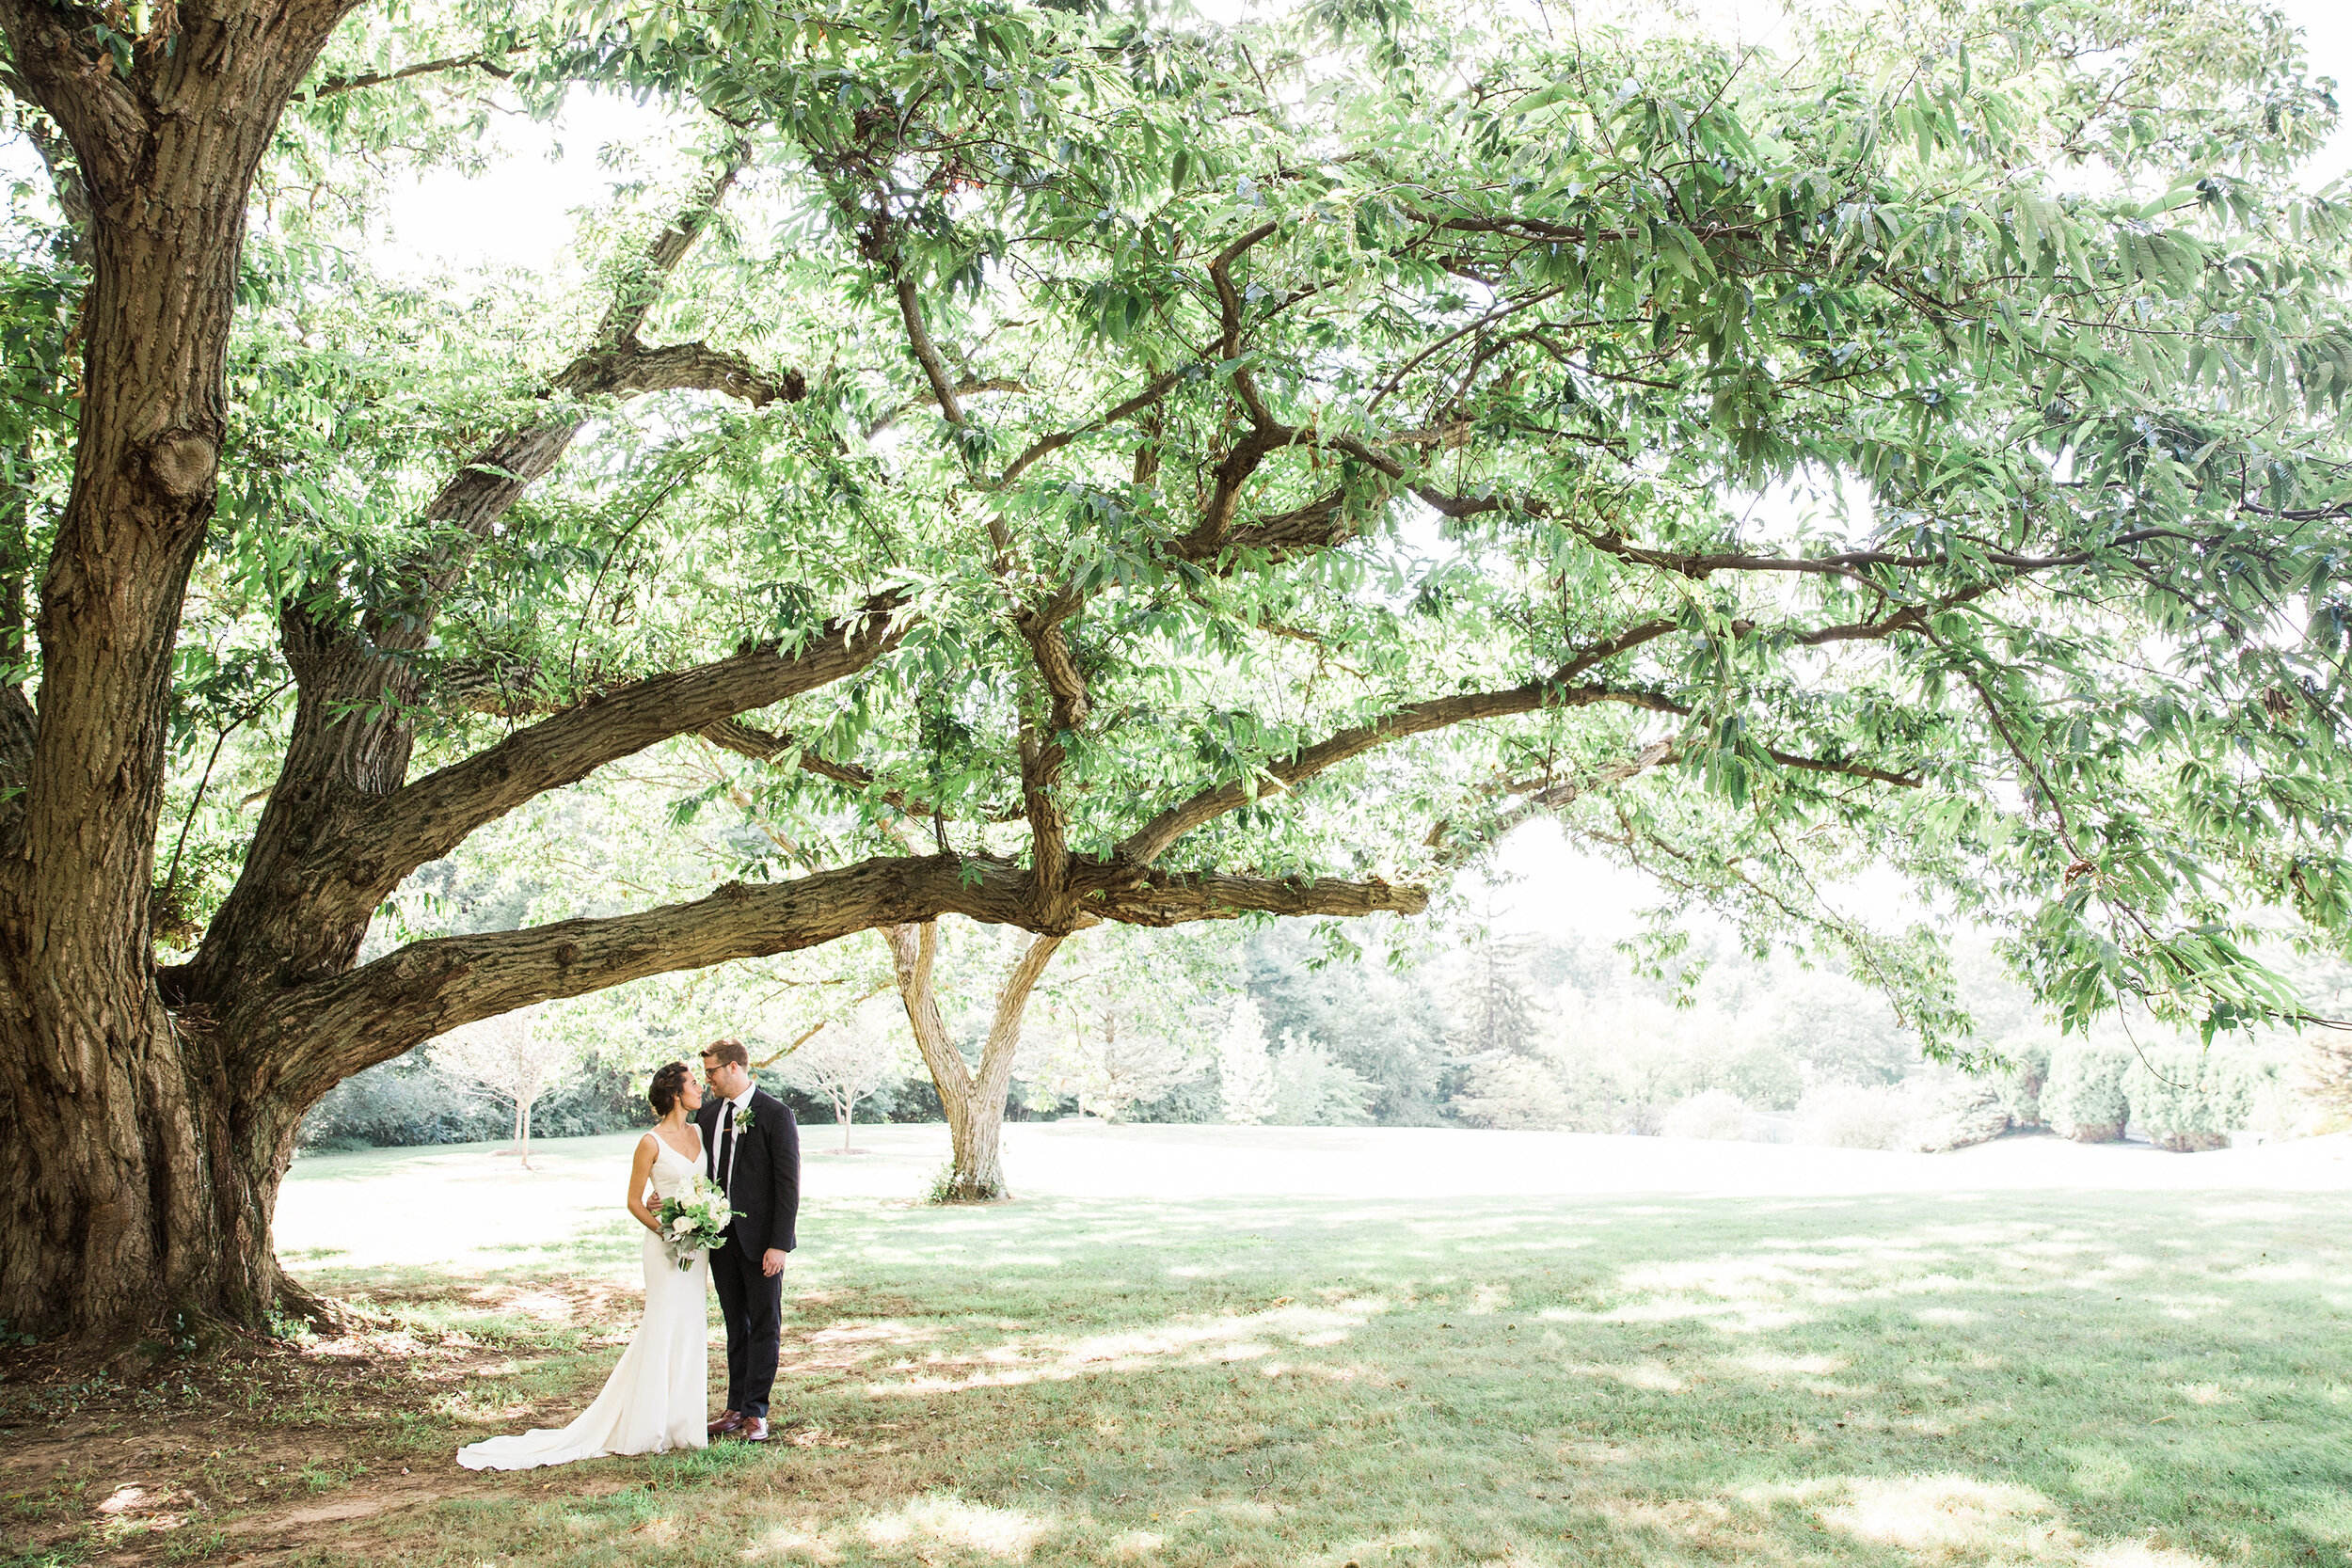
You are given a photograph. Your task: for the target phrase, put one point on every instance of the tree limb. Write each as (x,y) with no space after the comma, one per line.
(926,354)
(1046,446)
(965,388)
(1147,843)
(319,1033)
(783,751)
(1228,320)
(913,954)
(436,814)
(484,61)
(316,1033)
(352,736)
(1176,899)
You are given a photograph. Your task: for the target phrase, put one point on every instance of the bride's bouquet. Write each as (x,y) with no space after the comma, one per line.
(695,1221)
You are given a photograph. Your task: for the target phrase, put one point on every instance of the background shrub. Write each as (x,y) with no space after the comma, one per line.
(1513,1092)
(1848,1115)
(1765,1079)
(1311,1089)
(2189,1099)
(396,1103)
(2085,1097)
(2021,1086)
(403,1101)
(1711,1113)
(1643,1119)
(1963,1112)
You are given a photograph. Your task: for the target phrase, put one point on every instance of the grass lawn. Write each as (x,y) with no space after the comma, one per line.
(2140,1370)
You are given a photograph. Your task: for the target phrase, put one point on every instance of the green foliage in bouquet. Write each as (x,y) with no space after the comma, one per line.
(695,1221)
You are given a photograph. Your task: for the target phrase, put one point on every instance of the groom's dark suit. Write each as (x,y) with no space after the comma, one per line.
(760,1168)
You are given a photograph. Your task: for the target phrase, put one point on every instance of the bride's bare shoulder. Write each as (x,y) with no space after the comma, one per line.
(654,1138)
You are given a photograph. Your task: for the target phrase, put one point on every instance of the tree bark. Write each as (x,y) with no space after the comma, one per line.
(158,1205)
(975,1101)
(139,1169)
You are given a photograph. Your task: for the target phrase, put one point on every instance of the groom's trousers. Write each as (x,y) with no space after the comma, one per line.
(753,1305)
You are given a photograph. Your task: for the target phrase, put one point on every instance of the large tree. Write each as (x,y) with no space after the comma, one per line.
(1158,460)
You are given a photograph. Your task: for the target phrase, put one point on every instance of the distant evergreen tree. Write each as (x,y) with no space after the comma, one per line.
(1312,1090)
(1245,1075)
(1493,1000)
(1388,1026)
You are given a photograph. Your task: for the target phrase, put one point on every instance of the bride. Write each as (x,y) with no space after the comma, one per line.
(653,1401)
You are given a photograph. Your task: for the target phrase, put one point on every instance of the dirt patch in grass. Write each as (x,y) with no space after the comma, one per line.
(293,1451)
(266,1444)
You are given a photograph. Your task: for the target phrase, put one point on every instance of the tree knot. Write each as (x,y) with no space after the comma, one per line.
(182,462)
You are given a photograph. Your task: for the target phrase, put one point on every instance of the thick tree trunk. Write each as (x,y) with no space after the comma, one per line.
(140,1160)
(975,1101)
(977,1171)
(158,1208)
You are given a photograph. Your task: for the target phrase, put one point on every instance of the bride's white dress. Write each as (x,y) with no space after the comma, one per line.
(653,1401)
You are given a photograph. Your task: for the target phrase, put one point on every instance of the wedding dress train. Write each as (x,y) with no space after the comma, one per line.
(653,1401)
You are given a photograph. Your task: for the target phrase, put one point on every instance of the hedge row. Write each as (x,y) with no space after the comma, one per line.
(2184,1098)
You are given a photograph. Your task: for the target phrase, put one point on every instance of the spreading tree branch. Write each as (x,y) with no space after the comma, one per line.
(352,732)
(436,814)
(319,1033)
(485,61)
(1147,843)
(336,1026)
(1177,899)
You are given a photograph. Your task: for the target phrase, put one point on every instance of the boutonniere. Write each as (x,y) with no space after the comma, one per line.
(744,1123)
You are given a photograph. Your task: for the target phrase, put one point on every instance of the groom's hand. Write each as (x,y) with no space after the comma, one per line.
(772,1261)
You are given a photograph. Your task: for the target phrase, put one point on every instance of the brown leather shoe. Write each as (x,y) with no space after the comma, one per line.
(725,1422)
(753,1429)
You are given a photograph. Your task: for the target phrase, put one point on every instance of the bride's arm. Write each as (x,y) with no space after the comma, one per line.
(640,1176)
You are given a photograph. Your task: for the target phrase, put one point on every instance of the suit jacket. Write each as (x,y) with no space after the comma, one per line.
(765,1183)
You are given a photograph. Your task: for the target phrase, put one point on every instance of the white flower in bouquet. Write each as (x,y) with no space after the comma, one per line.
(696,1221)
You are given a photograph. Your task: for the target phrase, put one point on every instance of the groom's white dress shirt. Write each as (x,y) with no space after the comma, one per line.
(722,1151)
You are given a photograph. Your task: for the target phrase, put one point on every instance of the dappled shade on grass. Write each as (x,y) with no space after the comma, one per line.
(2107,1380)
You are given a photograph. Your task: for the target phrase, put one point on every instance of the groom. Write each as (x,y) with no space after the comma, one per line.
(752,1149)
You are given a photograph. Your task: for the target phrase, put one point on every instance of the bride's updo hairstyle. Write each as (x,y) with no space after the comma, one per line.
(668,1083)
